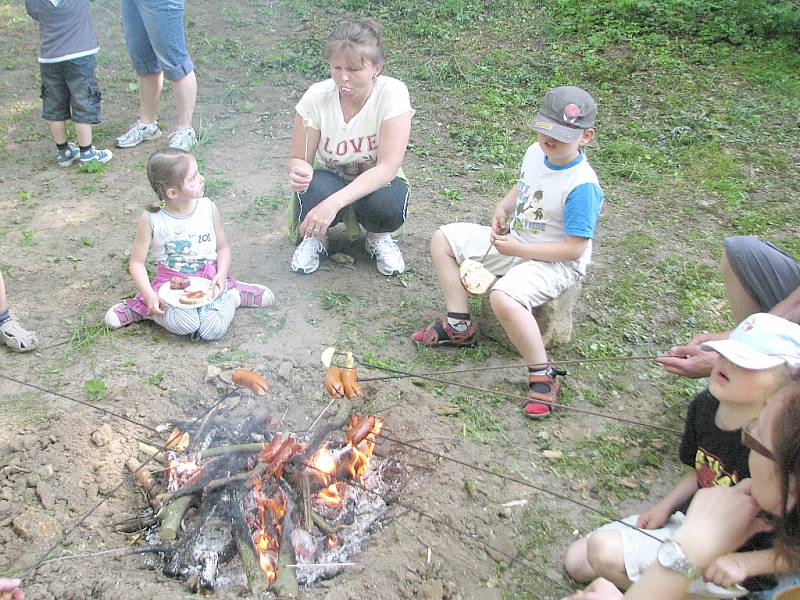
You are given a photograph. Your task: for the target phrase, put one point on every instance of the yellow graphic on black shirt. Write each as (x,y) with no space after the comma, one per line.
(710,471)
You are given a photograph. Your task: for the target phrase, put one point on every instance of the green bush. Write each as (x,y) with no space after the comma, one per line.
(736,21)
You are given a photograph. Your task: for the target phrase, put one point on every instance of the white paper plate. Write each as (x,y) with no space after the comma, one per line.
(172,297)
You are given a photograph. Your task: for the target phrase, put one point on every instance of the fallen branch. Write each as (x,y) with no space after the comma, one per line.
(153,490)
(171,516)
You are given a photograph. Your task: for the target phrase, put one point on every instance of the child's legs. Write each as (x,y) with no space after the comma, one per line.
(79,75)
(180,321)
(454,243)
(323,184)
(525,286)
(577,563)
(59,131)
(216,317)
(384,210)
(520,326)
(606,556)
(455,297)
(55,99)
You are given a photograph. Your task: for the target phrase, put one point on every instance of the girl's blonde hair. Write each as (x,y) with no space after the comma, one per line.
(166,168)
(360,41)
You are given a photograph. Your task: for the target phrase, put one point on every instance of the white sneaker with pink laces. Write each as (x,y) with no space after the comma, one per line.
(254,295)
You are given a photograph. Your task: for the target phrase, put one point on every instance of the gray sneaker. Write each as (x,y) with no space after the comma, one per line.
(138,133)
(95,155)
(183,138)
(68,156)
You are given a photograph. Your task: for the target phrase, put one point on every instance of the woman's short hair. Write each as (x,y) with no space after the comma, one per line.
(359,41)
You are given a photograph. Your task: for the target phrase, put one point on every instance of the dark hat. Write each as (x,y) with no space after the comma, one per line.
(565,113)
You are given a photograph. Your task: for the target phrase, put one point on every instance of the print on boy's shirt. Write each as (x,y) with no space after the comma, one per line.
(529,216)
(710,471)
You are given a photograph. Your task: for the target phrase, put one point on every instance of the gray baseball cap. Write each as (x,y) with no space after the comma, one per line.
(566,111)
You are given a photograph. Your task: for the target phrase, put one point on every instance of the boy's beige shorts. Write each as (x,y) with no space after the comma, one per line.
(529,282)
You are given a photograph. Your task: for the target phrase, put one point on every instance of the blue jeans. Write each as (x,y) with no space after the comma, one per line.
(155,38)
(70,90)
(382,211)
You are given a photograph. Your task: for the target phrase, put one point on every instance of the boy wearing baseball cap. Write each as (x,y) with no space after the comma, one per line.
(760,357)
(538,245)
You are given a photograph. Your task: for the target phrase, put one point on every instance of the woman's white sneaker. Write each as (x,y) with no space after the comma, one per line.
(386,252)
(306,256)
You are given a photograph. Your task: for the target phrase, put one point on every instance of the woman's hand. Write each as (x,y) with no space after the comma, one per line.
(319,218)
(154,305)
(710,530)
(726,570)
(599,589)
(300,176)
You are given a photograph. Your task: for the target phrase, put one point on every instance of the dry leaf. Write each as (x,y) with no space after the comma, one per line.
(178,440)
(552,453)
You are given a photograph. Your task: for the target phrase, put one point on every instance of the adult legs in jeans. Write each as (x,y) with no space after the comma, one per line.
(382,211)
(157,46)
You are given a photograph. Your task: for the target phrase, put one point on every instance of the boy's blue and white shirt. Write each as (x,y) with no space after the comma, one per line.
(556,201)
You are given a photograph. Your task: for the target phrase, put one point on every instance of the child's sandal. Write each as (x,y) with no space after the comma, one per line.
(442,334)
(17,337)
(540,404)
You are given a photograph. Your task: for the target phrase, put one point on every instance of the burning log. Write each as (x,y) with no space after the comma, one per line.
(256,579)
(285,585)
(153,490)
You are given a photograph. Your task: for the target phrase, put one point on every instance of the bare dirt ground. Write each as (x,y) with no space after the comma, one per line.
(65,237)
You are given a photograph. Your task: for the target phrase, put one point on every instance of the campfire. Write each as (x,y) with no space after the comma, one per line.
(236,501)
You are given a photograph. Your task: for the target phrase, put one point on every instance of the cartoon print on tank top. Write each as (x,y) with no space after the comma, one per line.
(180,254)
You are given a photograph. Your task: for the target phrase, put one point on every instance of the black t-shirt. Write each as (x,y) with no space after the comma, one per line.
(717,455)
(719,458)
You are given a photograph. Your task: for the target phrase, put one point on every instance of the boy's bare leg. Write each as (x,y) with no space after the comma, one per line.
(185,90)
(742,303)
(149,92)
(455,297)
(59,131)
(606,556)
(521,327)
(576,562)
(84,131)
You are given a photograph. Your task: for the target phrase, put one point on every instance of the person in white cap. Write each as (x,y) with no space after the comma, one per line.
(757,361)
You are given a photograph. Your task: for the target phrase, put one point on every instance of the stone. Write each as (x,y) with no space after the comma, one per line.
(35,525)
(431,590)
(553,317)
(103,436)
(46,496)
(285,370)
(45,472)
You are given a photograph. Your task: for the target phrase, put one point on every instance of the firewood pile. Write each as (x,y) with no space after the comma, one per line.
(232,500)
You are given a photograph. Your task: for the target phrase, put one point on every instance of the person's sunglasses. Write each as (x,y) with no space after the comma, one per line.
(750,441)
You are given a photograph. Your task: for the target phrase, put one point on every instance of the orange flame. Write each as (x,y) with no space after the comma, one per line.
(361,454)
(332,495)
(267,546)
(324,465)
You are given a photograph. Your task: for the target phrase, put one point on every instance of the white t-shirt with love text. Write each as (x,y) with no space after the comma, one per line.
(349,149)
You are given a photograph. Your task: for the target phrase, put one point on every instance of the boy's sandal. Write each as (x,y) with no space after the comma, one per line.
(442,334)
(540,403)
(17,337)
